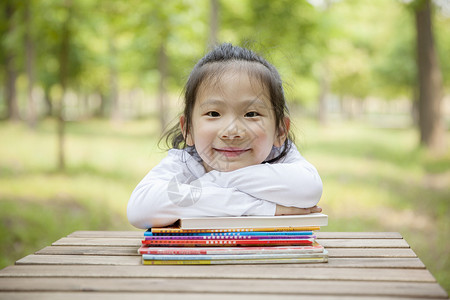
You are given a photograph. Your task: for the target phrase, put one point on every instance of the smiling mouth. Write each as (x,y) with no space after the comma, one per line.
(231,152)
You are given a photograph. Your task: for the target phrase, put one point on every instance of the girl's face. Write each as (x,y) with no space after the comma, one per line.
(233,123)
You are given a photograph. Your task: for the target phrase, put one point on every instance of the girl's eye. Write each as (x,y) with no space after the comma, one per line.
(252,114)
(213,114)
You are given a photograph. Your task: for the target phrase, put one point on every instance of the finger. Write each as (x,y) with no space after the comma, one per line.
(316,209)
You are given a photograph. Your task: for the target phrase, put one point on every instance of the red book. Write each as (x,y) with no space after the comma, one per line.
(230,237)
(215,243)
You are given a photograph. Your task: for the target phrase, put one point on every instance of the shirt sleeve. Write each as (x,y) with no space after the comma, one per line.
(294,182)
(168,193)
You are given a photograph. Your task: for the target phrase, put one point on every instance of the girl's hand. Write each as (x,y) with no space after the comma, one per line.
(284,210)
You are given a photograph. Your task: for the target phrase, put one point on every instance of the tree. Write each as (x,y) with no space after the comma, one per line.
(66,35)
(29,63)
(10,9)
(429,80)
(284,32)
(213,23)
(166,32)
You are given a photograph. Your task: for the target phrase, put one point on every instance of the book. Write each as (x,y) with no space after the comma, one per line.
(289,221)
(228,237)
(145,249)
(235,243)
(236,240)
(175,229)
(233,256)
(266,233)
(237,261)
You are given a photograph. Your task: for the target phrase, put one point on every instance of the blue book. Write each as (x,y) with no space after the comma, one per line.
(245,233)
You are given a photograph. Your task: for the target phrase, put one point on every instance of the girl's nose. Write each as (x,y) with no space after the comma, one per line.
(233,131)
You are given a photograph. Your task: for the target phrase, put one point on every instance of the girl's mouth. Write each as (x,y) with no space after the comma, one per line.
(231,152)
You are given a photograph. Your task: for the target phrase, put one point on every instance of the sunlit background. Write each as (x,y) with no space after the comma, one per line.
(87,87)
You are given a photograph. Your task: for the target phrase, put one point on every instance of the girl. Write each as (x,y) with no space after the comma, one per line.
(232,153)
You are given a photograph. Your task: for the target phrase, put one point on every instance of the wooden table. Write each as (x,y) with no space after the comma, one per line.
(105,265)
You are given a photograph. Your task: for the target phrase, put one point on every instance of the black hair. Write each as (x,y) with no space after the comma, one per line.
(212,65)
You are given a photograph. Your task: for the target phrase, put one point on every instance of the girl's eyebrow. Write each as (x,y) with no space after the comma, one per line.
(254,101)
(212,102)
(246,103)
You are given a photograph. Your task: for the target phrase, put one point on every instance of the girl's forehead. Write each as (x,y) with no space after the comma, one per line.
(234,76)
(233,89)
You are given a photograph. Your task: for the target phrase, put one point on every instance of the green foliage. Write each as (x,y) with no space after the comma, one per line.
(368,47)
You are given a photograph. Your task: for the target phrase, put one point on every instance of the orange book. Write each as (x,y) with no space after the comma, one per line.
(177,229)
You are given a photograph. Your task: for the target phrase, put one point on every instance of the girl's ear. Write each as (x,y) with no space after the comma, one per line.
(282,132)
(187,136)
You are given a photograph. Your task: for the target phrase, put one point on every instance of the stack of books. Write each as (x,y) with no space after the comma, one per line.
(236,240)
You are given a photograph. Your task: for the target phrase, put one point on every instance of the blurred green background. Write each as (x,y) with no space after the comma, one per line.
(87,87)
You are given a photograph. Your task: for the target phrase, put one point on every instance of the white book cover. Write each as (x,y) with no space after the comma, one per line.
(315,219)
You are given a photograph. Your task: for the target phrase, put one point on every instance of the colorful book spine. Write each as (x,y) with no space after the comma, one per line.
(315,248)
(199,243)
(227,237)
(149,233)
(237,261)
(233,256)
(276,229)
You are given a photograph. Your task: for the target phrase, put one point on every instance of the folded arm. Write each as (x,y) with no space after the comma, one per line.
(162,197)
(294,184)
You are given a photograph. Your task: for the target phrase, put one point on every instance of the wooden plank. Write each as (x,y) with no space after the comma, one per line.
(88,250)
(217,271)
(227,286)
(358,235)
(363,243)
(107,234)
(79,260)
(333,252)
(371,252)
(320,234)
(331,243)
(109,242)
(413,263)
(169,296)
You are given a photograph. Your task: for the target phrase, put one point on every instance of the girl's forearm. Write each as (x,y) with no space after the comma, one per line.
(292,185)
(153,205)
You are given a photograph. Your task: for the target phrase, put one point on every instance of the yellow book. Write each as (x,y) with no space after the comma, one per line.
(176,229)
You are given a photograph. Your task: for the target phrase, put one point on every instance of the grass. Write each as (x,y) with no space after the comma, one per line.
(374,180)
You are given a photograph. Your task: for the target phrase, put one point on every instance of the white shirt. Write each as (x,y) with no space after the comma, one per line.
(179,187)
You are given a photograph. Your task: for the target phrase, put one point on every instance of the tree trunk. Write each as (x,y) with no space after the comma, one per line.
(430,81)
(63,75)
(29,53)
(113,81)
(213,23)
(48,101)
(100,111)
(162,98)
(10,68)
(324,87)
